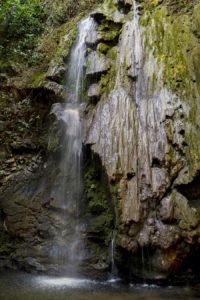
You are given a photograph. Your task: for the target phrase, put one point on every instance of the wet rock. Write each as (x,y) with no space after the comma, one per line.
(166,211)
(103,48)
(186,215)
(166,262)
(129,244)
(165,236)
(3,152)
(58,89)
(131,205)
(134,229)
(94,92)
(56,73)
(96,65)
(10,161)
(24,146)
(144,236)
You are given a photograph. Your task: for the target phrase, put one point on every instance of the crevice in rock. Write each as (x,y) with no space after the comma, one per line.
(191,190)
(130,175)
(124,6)
(156,163)
(98,207)
(98,16)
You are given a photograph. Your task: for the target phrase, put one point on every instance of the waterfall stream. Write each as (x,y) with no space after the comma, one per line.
(113,269)
(71,249)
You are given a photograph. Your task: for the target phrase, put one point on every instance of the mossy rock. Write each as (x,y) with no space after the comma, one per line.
(196,64)
(197,19)
(103,48)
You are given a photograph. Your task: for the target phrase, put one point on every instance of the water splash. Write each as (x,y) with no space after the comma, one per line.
(113,268)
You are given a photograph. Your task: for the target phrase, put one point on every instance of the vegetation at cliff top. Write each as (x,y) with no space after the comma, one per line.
(20,22)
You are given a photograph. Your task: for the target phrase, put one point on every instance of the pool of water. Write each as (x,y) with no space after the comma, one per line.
(23,286)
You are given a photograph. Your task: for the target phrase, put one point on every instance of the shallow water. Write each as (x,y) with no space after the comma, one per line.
(23,286)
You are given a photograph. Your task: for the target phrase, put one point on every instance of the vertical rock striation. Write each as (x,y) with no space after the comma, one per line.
(140,130)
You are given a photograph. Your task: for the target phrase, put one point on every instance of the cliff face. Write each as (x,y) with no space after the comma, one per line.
(144,127)
(141,143)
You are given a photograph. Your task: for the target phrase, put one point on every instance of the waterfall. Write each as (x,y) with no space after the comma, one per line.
(70,251)
(113,269)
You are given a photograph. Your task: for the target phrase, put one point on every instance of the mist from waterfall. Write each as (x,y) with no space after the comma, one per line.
(70,251)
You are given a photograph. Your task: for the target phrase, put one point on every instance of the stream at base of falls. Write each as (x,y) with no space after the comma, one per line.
(23,286)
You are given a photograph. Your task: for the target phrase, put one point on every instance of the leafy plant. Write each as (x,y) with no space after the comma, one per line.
(20,22)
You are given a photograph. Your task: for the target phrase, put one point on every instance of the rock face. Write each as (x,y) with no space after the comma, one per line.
(32,216)
(141,146)
(141,129)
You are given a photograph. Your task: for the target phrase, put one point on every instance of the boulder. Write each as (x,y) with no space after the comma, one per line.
(97,64)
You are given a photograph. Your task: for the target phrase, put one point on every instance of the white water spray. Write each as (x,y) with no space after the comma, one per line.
(71,252)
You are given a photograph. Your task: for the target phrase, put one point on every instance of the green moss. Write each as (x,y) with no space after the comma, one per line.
(56,45)
(175,7)
(54,143)
(59,12)
(109,35)
(154,2)
(5,243)
(101,224)
(99,207)
(107,81)
(109,31)
(196,23)
(96,189)
(102,48)
(112,54)
(109,6)
(169,37)
(97,192)
(195,56)
(36,79)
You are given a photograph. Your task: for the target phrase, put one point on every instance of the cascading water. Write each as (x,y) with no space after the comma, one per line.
(70,251)
(113,269)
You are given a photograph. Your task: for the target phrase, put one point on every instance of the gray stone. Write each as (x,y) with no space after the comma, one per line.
(96,64)
(10,161)
(94,91)
(57,89)
(56,72)
(166,210)
(187,216)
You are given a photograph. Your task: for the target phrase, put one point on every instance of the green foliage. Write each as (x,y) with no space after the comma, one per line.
(20,17)
(20,23)
(59,12)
